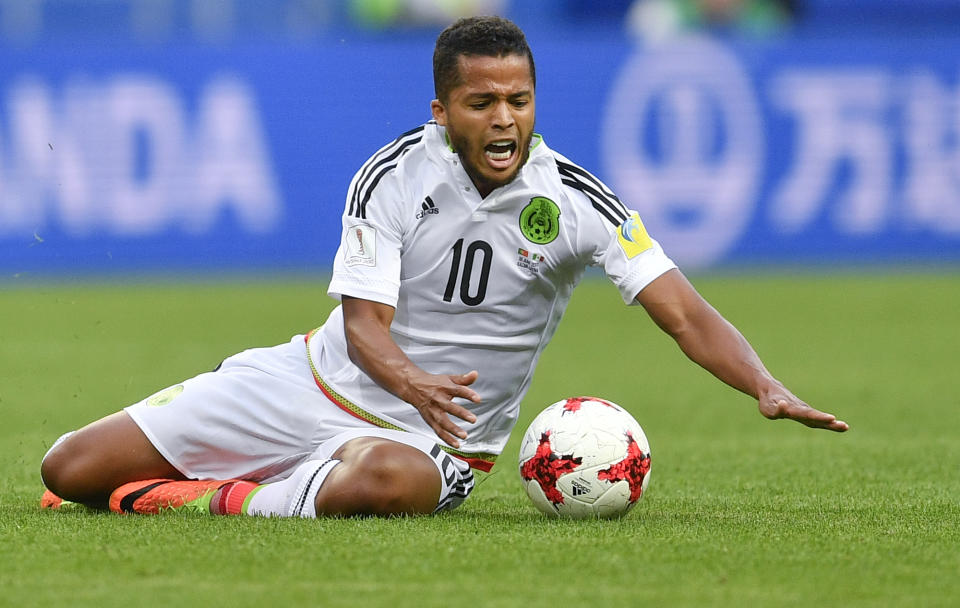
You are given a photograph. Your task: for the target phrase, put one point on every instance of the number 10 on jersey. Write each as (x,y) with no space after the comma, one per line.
(462,273)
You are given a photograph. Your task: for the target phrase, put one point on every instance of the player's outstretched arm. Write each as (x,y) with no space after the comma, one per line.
(366,325)
(716,345)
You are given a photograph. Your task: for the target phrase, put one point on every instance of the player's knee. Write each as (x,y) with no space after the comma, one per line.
(62,472)
(74,470)
(95,460)
(391,479)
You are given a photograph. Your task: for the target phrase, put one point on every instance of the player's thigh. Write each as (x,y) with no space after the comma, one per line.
(380,477)
(256,418)
(385,472)
(98,458)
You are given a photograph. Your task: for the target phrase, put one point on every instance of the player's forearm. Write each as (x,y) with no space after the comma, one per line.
(703,334)
(366,327)
(716,345)
(374,351)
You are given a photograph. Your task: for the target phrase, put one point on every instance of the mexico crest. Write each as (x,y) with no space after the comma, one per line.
(540,220)
(165,396)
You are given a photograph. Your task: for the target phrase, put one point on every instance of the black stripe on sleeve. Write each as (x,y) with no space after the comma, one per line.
(363,186)
(603,210)
(576,170)
(376,180)
(603,199)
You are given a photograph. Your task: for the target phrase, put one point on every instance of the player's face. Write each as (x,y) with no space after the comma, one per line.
(489,118)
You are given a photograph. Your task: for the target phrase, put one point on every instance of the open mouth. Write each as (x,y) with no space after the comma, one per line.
(500,151)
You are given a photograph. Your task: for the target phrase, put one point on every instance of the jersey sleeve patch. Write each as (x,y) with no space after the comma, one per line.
(633,237)
(361,246)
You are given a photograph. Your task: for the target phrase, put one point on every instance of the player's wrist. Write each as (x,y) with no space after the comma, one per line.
(766,386)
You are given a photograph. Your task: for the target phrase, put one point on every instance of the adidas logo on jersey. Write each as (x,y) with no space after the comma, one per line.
(428,208)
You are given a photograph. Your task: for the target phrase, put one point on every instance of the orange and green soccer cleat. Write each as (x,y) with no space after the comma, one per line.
(154,495)
(49,500)
(52,502)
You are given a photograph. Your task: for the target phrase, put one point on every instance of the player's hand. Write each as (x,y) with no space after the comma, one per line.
(781,403)
(434,401)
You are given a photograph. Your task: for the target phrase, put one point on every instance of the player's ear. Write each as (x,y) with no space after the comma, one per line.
(439,112)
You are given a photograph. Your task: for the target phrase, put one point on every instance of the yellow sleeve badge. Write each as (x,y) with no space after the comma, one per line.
(633,237)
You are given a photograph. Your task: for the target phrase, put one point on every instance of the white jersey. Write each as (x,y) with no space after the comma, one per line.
(477,283)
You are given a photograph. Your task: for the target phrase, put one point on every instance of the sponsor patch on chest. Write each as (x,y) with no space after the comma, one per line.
(529,260)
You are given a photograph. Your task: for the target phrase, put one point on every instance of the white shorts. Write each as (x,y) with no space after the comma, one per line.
(260,415)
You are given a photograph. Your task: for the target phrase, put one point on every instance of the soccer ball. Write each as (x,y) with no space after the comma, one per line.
(584,457)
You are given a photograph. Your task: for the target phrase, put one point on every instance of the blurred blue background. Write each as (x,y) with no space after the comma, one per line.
(159,136)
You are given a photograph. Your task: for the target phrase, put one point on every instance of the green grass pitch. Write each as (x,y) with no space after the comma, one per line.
(740,510)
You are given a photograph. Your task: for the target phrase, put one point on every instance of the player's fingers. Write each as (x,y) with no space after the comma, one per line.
(833,425)
(461,412)
(459,390)
(839,426)
(436,416)
(448,431)
(447,438)
(448,425)
(466,393)
(822,420)
(811,417)
(466,379)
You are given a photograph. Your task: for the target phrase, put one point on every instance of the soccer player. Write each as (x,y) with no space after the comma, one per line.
(462,242)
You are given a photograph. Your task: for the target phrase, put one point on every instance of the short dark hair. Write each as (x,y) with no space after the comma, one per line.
(483,36)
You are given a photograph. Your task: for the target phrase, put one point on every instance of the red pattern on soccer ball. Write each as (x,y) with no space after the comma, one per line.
(546,466)
(574,404)
(633,469)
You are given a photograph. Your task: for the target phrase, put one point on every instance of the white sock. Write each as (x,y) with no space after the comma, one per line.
(296,495)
